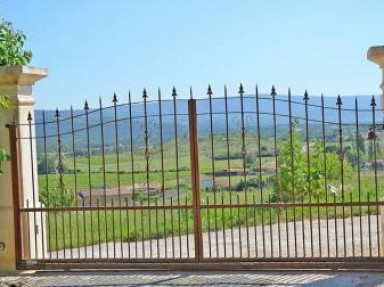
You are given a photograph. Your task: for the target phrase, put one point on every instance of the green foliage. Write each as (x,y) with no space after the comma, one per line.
(57,196)
(4,102)
(47,165)
(4,156)
(302,171)
(11,46)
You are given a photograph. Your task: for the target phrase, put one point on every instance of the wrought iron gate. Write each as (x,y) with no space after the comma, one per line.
(263,180)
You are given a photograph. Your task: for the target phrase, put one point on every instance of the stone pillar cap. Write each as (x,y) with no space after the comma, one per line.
(21,74)
(376,55)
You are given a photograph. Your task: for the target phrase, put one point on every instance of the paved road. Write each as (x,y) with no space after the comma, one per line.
(349,237)
(174,278)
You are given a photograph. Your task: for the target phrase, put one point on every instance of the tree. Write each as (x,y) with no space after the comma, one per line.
(11,54)
(12,42)
(47,165)
(295,177)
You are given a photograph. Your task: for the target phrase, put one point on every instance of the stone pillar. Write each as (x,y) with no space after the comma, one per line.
(376,55)
(16,82)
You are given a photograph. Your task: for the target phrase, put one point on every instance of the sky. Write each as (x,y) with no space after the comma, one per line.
(93,48)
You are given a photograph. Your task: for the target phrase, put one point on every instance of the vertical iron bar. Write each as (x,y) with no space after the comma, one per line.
(243,148)
(98,226)
(84,230)
(224,231)
(270,226)
(260,173)
(60,168)
(278,230)
(309,176)
(162,169)
(212,138)
(187,226)
(16,195)
(292,164)
(255,226)
(373,105)
(47,180)
(195,174)
(86,108)
(70,233)
(33,178)
(319,227)
(231,221)
(136,232)
(28,248)
(244,153)
(117,147)
(113,227)
(142,228)
(131,147)
(174,95)
(209,229)
(28,254)
(78,232)
(157,229)
(325,169)
(303,226)
(341,155)
(161,144)
(369,226)
(165,234)
(352,227)
(358,173)
(273,95)
(228,141)
(103,162)
(287,229)
(336,229)
(147,169)
(239,226)
(172,230)
(128,228)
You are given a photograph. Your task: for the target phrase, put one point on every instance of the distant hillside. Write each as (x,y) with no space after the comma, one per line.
(219,119)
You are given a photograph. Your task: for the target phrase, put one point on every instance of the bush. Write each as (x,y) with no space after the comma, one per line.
(11,46)
(57,196)
(294,176)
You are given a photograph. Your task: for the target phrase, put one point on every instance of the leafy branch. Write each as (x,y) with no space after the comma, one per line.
(12,42)
(4,156)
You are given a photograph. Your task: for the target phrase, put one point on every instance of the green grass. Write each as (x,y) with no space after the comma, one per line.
(81,228)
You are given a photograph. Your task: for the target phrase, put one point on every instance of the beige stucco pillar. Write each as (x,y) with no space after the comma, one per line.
(16,83)
(376,55)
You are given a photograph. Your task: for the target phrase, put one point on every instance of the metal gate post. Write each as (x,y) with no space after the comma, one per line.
(16,193)
(194,154)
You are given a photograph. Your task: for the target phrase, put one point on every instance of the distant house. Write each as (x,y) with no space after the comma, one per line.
(115,195)
(232,172)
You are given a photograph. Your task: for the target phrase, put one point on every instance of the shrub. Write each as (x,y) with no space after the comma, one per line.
(12,41)
(57,196)
(294,176)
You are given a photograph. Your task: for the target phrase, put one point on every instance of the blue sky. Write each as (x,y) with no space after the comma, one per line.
(93,48)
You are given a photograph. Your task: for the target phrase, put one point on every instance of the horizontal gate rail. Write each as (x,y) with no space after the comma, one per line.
(204,206)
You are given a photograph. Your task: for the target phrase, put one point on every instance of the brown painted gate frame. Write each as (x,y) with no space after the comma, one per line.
(198,263)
